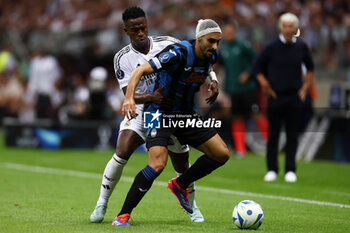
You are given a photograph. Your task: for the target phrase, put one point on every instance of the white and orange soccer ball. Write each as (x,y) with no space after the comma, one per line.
(248,214)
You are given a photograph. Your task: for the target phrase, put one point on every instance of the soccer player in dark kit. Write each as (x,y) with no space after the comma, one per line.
(181,69)
(131,131)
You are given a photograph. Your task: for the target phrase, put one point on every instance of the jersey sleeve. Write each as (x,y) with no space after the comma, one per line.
(309,64)
(167,58)
(165,39)
(122,70)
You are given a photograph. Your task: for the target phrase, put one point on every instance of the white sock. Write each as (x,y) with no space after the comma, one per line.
(111,177)
(191,192)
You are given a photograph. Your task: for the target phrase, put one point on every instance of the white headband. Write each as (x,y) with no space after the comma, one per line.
(206,26)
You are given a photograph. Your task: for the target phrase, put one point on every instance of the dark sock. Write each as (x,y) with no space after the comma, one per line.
(142,183)
(202,167)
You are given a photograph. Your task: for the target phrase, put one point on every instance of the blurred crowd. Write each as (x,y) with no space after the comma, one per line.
(73,26)
(48,92)
(64,41)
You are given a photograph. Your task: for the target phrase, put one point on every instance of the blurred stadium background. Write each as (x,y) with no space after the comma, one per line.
(71,44)
(74,41)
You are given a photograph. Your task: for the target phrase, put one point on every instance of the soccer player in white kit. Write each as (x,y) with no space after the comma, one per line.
(131,132)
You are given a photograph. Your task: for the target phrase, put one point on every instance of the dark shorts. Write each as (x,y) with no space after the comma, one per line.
(193,136)
(244,104)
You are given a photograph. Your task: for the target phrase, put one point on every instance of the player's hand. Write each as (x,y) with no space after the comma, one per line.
(129,108)
(161,100)
(214,89)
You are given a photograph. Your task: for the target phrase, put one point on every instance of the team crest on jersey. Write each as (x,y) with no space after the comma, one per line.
(164,57)
(153,133)
(120,74)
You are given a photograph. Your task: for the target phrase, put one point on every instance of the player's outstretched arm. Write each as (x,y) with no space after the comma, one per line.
(156,97)
(129,105)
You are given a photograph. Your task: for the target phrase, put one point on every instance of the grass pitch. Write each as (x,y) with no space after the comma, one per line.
(56,191)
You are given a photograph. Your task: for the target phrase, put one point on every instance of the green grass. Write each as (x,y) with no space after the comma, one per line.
(32,201)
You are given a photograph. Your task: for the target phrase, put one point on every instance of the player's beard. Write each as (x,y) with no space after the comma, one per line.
(210,53)
(206,52)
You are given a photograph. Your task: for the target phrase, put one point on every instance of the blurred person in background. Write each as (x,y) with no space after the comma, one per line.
(80,99)
(43,84)
(97,104)
(237,57)
(62,25)
(8,62)
(77,101)
(115,98)
(11,88)
(10,96)
(278,69)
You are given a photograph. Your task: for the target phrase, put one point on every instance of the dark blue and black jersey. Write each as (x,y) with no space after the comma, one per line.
(181,73)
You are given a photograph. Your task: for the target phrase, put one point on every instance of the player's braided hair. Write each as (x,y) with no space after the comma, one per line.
(133,13)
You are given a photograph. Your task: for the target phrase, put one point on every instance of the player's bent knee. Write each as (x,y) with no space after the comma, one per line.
(124,153)
(158,167)
(158,163)
(157,158)
(224,154)
(221,154)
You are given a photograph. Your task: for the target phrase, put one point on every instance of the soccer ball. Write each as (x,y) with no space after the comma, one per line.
(248,215)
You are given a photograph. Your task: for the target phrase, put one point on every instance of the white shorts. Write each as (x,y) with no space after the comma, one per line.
(136,125)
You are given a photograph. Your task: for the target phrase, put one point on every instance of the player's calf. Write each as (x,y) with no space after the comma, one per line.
(157,158)
(216,149)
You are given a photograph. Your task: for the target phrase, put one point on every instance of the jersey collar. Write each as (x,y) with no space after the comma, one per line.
(283,40)
(150,46)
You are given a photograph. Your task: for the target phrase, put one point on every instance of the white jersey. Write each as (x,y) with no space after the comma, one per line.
(127,59)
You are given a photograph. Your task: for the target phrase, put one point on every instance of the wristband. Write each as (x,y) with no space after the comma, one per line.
(212,76)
